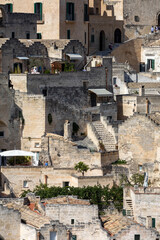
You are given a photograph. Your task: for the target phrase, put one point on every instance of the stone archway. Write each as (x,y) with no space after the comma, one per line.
(158,20)
(117,36)
(102,38)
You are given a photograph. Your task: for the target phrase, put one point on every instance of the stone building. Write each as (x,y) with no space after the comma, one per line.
(138,141)
(57,19)
(144,206)
(17,25)
(104,27)
(120,227)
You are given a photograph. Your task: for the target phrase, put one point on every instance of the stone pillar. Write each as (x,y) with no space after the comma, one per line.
(141,91)
(67,130)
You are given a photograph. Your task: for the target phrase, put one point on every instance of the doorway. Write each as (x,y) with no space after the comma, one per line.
(117,36)
(102,41)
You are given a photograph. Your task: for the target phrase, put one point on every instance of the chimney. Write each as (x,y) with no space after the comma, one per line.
(67,130)
(141,91)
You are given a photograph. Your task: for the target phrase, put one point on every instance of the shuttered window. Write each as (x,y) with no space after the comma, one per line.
(153,222)
(70,11)
(10,7)
(38,9)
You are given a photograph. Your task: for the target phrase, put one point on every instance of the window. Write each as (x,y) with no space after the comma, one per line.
(136,19)
(25,184)
(68,34)
(74,237)
(10,7)
(85,37)
(114,80)
(37,145)
(65,184)
(39,36)
(73,49)
(137,237)
(1,133)
(140,168)
(70,11)
(72,221)
(153,222)
(13,34)
(27,35)
(38,10)
(86,15)
(44,92)
(53,235)
(97,10)
(150,64)
(92,38)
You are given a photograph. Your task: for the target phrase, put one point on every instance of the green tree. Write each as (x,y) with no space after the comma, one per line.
(81,167)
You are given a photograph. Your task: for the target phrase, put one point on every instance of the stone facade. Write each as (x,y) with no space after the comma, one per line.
(17,25)
(138,141)
(10,221)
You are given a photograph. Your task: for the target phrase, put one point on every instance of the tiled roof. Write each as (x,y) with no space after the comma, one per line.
(29,216)
(115,223)
(66,200)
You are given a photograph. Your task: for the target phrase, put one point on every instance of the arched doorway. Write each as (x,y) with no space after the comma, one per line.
(159,20)
(102,41)
(117,36)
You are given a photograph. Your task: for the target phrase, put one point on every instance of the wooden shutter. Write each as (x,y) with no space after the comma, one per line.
(11,7)
(72,11)
(40,11)
(153,64)
(67,10)
(35,6)
(153,222)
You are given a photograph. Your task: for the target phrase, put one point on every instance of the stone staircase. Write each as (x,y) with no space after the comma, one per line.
(104,136)
(129,207)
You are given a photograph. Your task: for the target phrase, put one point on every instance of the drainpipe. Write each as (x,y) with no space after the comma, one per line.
(147,106)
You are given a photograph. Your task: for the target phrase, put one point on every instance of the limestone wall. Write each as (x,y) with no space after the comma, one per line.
(129,51)
(138,140)
(10,221)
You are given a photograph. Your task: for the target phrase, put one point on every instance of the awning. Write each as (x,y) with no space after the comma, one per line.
(13,153)
(73,56)
(22,58)
(102,92)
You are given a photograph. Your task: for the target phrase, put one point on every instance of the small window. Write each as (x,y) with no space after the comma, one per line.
(92,38)
(44,92)
(1,134)
(140,168)
(10,7)
(97,10)
(114,80)
(68,34)
(13,34)
(25,184)
(137,237)
(37,145)
(73,49)
(65,184)
(39,36)
(150,64)
(72,221)
(136,19)
(153,222)
(74,237)
(27,35)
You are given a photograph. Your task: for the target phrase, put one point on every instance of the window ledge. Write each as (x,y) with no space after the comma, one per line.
(40,21)
(70,21)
